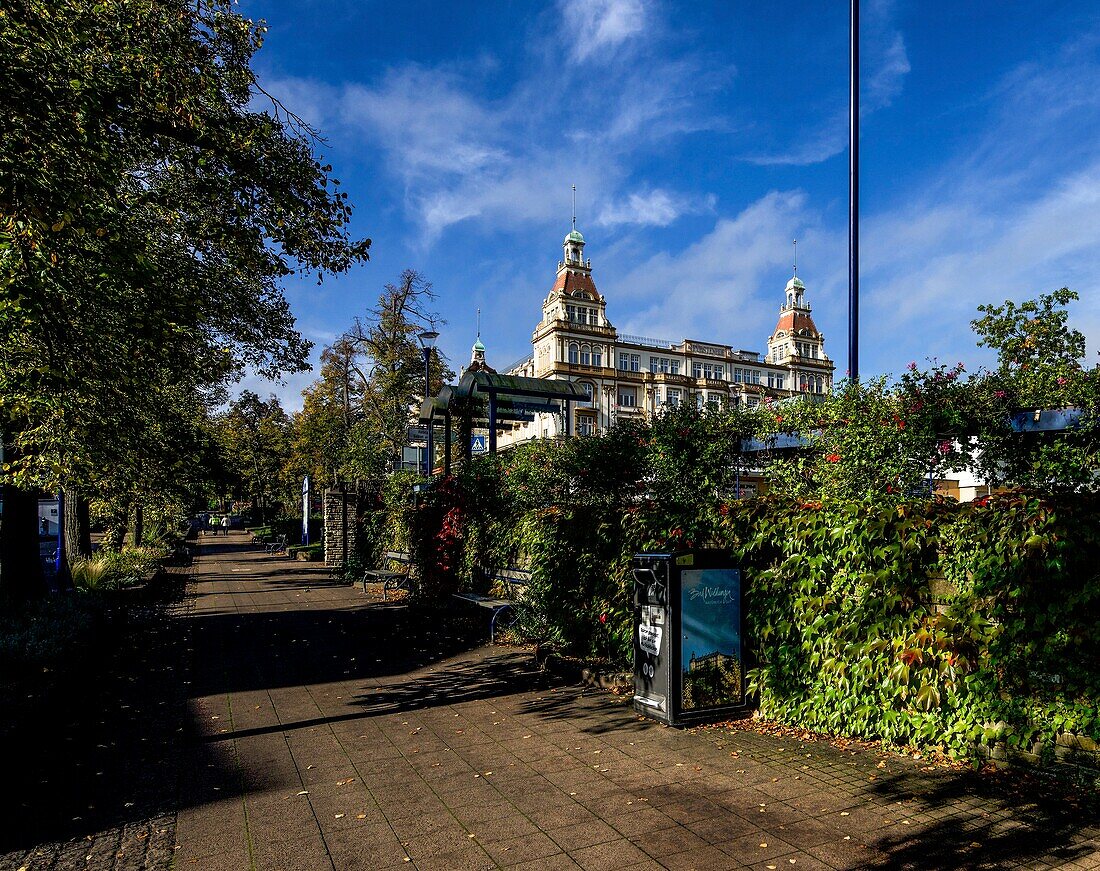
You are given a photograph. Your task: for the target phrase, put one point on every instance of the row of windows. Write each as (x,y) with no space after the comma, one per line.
(664,365)
(811,383)
(802,349)
(630,362)
(673,395)
(578,314)
(586,355)
(713,371)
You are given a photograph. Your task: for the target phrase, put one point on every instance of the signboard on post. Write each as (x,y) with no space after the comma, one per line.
(305,510)
(479,444)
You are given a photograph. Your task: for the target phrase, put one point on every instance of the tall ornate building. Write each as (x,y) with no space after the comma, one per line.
(633,376)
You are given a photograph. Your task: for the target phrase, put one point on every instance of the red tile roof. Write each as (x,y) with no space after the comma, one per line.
(568,282)
(793,322)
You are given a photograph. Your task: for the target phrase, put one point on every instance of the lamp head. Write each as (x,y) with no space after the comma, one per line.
(427,338)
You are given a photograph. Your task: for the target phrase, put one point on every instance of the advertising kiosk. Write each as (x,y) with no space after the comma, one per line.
(689,657)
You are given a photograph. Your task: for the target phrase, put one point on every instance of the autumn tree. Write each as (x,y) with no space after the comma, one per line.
(372,381)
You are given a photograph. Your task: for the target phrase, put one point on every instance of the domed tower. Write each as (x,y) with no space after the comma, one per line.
(477,355)
(574,329)
(797,344)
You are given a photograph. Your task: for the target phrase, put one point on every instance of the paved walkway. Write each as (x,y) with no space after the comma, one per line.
(284,722)
(334,731)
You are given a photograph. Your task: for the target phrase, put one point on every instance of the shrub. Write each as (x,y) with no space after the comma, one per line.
(115,570)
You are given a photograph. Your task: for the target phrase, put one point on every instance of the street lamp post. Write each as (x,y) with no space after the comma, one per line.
(427,342)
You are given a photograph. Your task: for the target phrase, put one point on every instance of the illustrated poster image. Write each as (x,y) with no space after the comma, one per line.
(711,638)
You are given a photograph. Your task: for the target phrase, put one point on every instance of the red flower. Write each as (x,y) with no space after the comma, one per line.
(832,458)
(603,618)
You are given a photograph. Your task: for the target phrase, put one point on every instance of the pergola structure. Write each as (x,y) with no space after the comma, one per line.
(492,399)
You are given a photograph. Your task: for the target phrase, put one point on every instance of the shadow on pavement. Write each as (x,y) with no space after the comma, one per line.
(991,821)
(93,746)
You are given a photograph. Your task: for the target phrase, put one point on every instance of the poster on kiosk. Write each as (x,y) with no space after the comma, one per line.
(688,646)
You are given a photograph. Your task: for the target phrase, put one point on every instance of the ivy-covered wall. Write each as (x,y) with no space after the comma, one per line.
(929,624)
(918,621)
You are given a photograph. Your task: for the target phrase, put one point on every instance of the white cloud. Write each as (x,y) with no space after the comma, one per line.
(720,288)
(463,151)
(884,64)
(654,208)
(929,268)
(597,27)
(829,140)
(1016,214)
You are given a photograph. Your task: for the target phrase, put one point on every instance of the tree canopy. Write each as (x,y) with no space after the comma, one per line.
(356,414)
(149,212)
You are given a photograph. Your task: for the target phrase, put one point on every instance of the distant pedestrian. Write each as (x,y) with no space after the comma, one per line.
(44,527)
(225,525)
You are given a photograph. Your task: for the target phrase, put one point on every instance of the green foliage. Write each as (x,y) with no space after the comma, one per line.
(254,438)
(116,570)
(1033,338)
(354,420)
(312,551)
(148,215)
(918,622)
(927,624)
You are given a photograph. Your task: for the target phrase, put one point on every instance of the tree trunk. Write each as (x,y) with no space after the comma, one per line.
(21,577)
(118,529)
(139,526)
(78,533)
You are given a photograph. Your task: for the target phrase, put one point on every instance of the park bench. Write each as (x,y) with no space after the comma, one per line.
(390,579)
(277,545)
(513,580)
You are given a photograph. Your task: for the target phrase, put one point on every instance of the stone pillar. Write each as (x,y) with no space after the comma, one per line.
(341,530)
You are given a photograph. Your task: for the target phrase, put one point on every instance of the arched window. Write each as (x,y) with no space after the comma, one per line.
(588,388)
(586,355)
(597,356)
(574,353)
(802,385)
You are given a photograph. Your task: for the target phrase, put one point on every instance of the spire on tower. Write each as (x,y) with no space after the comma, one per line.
(574,207)
(795,244)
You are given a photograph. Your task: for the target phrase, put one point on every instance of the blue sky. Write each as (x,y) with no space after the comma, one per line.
(703,138)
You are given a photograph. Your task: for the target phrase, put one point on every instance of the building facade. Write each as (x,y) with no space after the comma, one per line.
(628,376)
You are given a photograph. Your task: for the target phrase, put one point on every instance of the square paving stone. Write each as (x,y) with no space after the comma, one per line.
(300,855)
(703,859)
(578,835)
(665,842)
(719,829)
(498,828)
(644,818)
(559,816)
(749,849)
(513,851)
(603,857)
